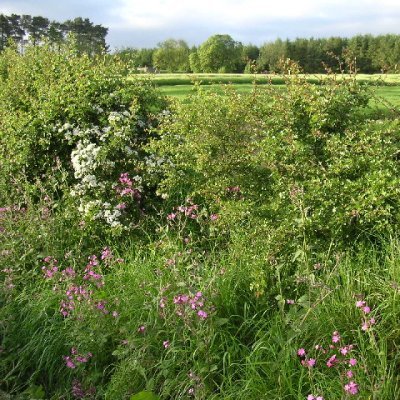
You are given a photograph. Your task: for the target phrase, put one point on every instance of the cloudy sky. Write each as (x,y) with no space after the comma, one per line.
(145,23)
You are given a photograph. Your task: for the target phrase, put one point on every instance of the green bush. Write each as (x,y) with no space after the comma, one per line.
(45,94)
(302,158)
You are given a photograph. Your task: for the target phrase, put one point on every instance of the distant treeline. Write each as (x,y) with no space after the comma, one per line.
(221,53)
(24,29)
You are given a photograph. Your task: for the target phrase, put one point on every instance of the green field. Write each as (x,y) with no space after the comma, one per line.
(187,79)
(386,88)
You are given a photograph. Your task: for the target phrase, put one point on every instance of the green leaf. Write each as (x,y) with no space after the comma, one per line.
(145,395)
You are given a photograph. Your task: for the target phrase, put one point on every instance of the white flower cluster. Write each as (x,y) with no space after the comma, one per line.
(94,158)
(101,211)
(84,158)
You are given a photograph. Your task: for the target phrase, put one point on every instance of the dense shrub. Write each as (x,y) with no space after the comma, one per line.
(50,101)
(303,158)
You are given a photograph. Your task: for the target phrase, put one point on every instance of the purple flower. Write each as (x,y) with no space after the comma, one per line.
(351,387)
(360,304)
(202,314)
(335,337)
(69,363)
(332,361)
(301,352)
(349,373)
(311,362)
(352,362)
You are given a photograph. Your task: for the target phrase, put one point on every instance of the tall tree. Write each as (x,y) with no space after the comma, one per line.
(220,53)
(37,29)
(5,31)
(172,55)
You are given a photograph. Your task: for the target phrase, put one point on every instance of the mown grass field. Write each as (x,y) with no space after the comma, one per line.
(386,88)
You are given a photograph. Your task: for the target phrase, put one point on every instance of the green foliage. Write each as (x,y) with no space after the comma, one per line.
(144,396)
(275,230)
(44,94)
(302,155)
(172,55)
(220,53)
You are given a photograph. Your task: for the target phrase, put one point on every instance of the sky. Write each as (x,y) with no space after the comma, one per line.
(145,23)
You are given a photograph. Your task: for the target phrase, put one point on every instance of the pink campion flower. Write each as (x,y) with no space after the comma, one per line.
(171,217)
(352,362)
(166,344)
(372,321)
(349,373)
(69,272)
(106,253)
(366,310)
(121,206)
(335,337)
(141,329)
(365,326)
(213,217)
(351,387)
(360,303)
(289,301)
(202,314)
(344,350)
(301,352)
(332,361)
(69,363)
(311,362)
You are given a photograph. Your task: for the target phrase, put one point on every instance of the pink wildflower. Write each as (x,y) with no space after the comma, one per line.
(141,329)
(166,344)
(366,310)
(301,352)
(332,361)
(289,301)
(202,314)
(311,362)
(69,363)
(352,362)
(213,217)
(349,373)
(335,337)
(351,387)
(121,206)
(360,304)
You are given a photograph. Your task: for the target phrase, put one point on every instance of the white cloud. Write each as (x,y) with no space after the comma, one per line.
(146,22)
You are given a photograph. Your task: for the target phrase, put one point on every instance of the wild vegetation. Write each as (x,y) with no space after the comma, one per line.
(230,246)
